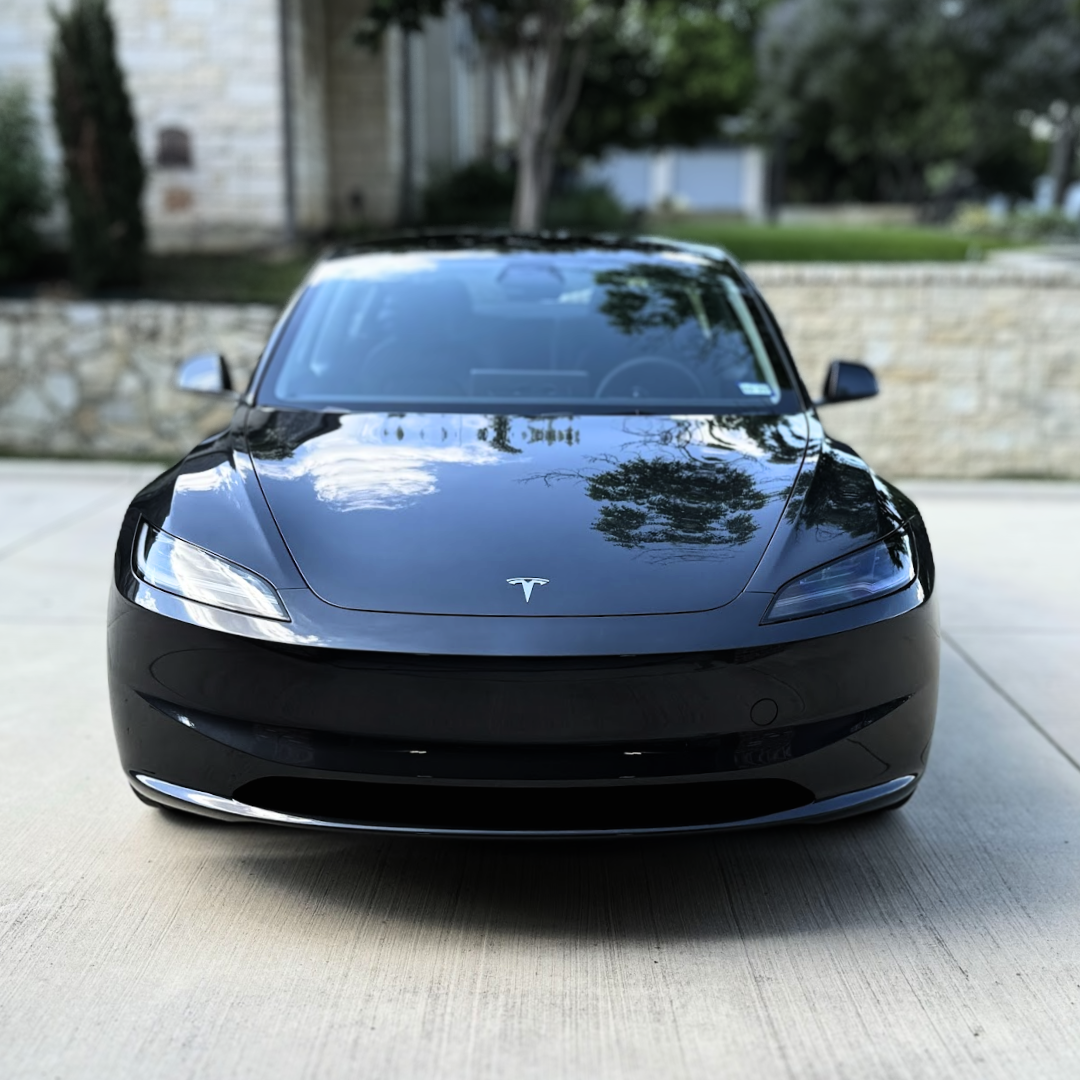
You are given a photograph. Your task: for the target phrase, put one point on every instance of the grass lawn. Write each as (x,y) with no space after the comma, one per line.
(250,278)
(750,242)
(237,279)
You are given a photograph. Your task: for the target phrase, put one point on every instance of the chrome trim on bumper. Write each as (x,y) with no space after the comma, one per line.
(223,809)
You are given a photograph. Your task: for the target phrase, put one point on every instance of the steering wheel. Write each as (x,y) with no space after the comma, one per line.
(657,365)
(396,366)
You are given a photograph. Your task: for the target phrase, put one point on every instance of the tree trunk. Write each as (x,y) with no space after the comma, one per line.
(555,125)
(526,214)
(528,207)
(1063,158)
(543,106)
(535,68)
(776,187)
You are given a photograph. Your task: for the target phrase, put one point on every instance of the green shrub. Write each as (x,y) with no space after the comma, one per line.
(477,194)
(482,193)
(103,173)
(24,191)
(1024,225)
(590,208)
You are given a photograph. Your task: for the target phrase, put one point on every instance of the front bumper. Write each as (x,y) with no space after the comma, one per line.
(208,805)
(243,729)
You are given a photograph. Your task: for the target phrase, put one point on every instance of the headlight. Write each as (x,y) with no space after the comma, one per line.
(883,568)
(178,567)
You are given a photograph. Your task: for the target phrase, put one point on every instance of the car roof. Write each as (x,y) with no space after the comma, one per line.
(510,242)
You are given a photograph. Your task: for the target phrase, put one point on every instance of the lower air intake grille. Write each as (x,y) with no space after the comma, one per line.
(502,809)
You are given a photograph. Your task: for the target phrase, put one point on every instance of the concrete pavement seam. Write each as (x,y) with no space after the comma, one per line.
(1006,696)
(61,522)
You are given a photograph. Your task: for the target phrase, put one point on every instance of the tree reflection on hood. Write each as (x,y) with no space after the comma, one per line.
(675,502)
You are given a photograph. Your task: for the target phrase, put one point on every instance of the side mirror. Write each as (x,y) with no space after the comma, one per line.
(206,373)
(848,381)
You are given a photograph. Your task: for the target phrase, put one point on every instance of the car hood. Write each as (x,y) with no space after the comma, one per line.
(435,514)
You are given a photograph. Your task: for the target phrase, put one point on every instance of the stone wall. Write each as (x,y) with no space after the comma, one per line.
(96,379)
(979,366)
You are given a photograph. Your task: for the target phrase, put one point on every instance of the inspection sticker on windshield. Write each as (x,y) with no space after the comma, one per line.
(758,389)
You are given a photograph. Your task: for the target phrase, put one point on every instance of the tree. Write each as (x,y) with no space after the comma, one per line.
(541,47)
(1024,55)
(888,96)
(669,75)
(871,82)
(103,173)
(24,192)
(691,59)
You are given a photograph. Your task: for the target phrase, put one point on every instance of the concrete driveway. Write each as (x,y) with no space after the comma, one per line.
(939,941)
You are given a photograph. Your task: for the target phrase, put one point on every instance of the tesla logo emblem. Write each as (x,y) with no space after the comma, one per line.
(527,584)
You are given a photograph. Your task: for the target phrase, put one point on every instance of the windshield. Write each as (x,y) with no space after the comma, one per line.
(527,332)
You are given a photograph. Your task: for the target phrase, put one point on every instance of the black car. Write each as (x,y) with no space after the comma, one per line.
(524,535)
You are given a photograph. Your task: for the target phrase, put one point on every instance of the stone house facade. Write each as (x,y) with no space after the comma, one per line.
(261,120)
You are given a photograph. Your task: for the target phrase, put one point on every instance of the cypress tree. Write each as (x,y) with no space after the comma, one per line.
(103,172)
(24,191)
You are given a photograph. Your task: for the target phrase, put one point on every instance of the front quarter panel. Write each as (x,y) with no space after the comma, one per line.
(212,498)
(838,505)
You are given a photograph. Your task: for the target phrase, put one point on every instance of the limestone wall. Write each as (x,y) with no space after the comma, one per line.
(97,378)
(979,366)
